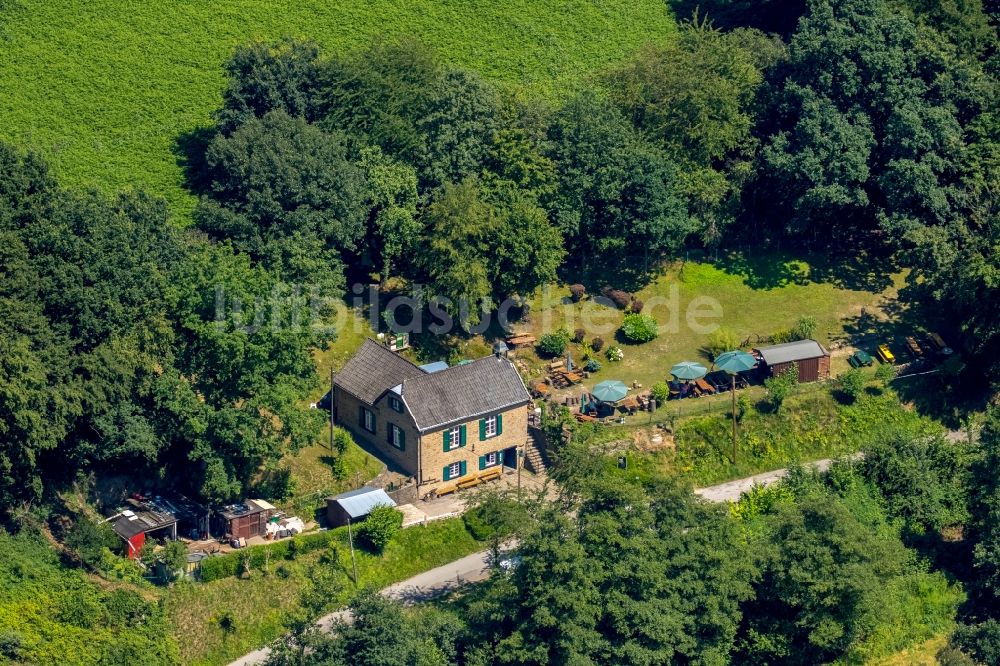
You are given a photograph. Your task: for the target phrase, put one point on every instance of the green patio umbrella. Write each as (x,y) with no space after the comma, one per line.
(688,370)
(610,390)
(735,362)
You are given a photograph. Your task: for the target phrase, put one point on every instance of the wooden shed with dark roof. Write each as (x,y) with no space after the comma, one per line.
(443,426)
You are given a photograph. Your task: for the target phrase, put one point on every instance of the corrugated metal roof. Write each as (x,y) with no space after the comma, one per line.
(360,502)
(799,350)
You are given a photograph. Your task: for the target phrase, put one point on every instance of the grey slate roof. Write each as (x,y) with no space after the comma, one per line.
(360,502)
(372,370)
(792,351)
(464,392)
(434,399)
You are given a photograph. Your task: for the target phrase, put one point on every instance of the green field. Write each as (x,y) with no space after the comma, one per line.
(105,88)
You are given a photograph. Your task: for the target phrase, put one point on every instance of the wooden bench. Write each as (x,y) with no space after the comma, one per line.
(491,474)
(446,490)
(468,483)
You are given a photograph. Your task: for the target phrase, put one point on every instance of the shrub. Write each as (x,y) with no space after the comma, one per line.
(10,644)
(620,298)
(804,328)
(885,373)
(639,328)
(87,540)
(592,365)
(721,341)
(553,344)
(577,292)
(852,383)
(636,305)
(223,566)
(597,344)
(380,527)
(778,388)
(227,622)
(578,335)
(478,525)
(615,353)
(660,392)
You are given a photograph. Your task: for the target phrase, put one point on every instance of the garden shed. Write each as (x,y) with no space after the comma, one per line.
(246,520)
(355,505)
(812,359)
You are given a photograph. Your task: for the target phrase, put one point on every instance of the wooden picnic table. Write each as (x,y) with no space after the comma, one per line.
(629,403)
(704,386)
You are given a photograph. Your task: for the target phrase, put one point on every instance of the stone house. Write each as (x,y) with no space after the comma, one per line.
(439,426)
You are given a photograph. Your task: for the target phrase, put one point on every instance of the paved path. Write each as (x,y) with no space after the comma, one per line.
(474,568)
(730,491)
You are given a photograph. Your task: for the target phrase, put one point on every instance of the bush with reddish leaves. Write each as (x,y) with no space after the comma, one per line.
(578,335)
(636,305)
(577,292)
(597,344)
(620,298)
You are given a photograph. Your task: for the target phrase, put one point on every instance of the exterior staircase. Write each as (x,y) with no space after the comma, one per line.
(536,458)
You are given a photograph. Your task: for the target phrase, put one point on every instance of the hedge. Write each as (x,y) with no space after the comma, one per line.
(223,566)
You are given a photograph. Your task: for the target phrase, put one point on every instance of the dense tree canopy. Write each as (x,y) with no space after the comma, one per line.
(114,357)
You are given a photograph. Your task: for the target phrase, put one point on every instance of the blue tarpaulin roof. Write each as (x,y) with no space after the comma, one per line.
(359,503)
(436,366)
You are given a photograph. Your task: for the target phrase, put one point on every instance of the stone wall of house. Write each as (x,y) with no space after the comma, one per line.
(347,415)
(435,458)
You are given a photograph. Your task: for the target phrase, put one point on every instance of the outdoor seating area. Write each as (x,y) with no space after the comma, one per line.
(472,481)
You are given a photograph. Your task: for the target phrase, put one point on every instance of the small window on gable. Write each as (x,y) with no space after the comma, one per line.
(396,404)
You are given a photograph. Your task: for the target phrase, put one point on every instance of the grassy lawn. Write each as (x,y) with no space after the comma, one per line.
(259,604)
(748,309)
(106,89)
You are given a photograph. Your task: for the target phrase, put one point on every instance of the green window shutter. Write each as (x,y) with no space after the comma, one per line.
(482,429)
(482,463)
(361,416)
(499,424)
(461,468)
(461,438)
(447,443)
(445,475)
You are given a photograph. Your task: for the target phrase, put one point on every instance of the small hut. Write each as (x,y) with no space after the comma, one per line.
(812,359)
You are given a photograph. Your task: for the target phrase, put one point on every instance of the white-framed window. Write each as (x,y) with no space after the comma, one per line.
(454,470)
(396,404)
(455,438)
(491,426)
(367,419)
(397,437)
(491,459)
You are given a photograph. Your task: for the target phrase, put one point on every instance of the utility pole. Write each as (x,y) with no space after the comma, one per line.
(520,464)
(733,391)
(350,540)
(331,408)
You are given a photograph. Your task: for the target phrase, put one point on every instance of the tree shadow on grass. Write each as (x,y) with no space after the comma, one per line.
(189,150)
(862,268)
